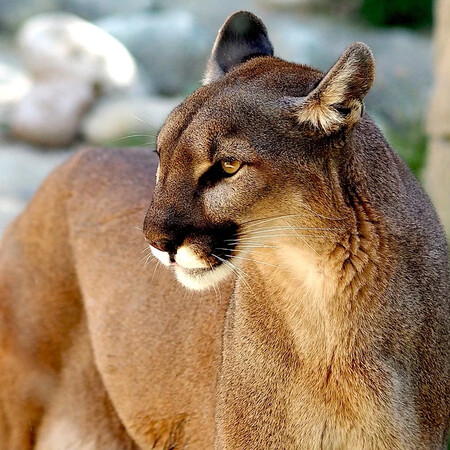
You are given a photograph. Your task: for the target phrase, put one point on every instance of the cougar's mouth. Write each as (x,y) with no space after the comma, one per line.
(193,271)
(199,279)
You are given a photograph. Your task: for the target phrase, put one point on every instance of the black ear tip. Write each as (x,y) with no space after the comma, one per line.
(243,17)
(243,23)
(243,36)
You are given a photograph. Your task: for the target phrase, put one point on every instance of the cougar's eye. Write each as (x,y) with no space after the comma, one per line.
(224,168)
(230,167)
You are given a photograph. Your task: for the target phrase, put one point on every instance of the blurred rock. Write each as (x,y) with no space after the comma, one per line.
(14,12)
(22,169)
(171,46)
(95,9)
(50,114)
(14,84)
(10,207)
(113,119)
(64,45)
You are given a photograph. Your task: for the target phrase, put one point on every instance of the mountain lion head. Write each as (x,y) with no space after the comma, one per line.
(254,162)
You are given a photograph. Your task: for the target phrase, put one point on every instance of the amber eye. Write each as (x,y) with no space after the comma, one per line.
(230,167)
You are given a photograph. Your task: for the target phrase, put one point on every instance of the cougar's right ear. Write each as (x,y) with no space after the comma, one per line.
(242,37)
(338,99)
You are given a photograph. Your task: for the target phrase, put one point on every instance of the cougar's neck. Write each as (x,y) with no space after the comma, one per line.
(297,334)
(319,291)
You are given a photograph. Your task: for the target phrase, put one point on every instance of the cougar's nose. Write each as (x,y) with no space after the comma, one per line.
(163,228)
(164,245)
(159,237)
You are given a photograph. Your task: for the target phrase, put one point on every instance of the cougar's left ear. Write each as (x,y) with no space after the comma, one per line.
(338,99)
(242,37)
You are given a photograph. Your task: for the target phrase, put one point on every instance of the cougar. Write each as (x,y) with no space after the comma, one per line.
(311,309)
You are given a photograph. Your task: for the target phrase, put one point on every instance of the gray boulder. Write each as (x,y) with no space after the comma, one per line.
(14,85)
(50,114)
(114,121)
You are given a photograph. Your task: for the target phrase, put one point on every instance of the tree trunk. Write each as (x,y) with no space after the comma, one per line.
(437,176)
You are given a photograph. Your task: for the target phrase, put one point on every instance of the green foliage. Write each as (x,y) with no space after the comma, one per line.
(407,13)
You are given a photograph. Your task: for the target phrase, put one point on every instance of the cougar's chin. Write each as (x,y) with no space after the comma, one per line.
(204,278)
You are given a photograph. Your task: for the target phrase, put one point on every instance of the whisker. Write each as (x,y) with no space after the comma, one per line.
(255,260)
(130,136)
(145,144)
(224,261)
(154,271)
(255,222)
(240,274)
(247,246)
(268,219)
(149,259)
(303,239)
(141,120)
(216,290)
(252,239)
(133,239)
(264,229)
(237,250)
(257,246)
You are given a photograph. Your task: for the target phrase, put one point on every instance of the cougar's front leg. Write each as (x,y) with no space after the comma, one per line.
(39,305)
(81,415)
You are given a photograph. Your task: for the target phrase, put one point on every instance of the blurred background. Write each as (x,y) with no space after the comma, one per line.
(108,72)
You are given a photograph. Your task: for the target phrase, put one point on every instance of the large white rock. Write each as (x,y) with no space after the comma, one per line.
(64,45)
(50,114)
(114,119)
(14,85)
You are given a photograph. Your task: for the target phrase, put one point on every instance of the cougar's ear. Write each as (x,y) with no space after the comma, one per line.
(242,37)
(338,99)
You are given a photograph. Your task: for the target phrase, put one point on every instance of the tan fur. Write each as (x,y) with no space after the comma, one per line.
(319,107)
(330,329)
